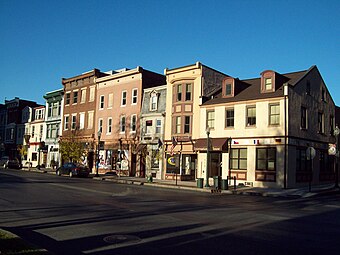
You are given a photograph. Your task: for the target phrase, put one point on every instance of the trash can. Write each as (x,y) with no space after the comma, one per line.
(217,181)
(199,182)
(224,184)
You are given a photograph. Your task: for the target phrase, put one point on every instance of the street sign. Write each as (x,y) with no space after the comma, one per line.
(310,153)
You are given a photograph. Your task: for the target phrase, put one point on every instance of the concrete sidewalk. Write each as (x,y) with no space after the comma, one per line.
(240,190)
(301,192)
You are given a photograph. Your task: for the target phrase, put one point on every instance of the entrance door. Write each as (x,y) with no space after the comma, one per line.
(215,164)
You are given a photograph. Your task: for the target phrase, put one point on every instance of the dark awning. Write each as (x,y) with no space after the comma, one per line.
(216,144)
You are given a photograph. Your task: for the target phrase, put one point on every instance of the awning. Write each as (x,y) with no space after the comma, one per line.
(216,144)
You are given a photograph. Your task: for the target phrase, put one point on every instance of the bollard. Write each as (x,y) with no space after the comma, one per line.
(234,182)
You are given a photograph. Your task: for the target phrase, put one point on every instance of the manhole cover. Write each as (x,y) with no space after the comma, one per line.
(119,239)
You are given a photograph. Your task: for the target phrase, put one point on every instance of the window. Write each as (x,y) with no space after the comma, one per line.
(211,119)
(68,98)
(148,125)
(153,102)
(134,96)
(83,96)
(75,97)
(122,124)
(123,102)
(178,125)
(66,123)
(81,120)
(39,114)
(251,116)
(321,126)
(133,125)
(109,125)
(303,117)
(268,84)
(110,102)
(187,124)
(100,125)
(188,92)
(238,159)
(179,92)
(229,118)
(101,103)
(308,88)
(33,131)
(90,120)
(301,160)
(92,93)
(74,121)
(158,126)
(274,114)
(331,124)
(266,159)
(228,89)
(41,130)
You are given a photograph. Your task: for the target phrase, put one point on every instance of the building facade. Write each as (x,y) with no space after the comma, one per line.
(152,121)
(186,87)
(78,120)
(54,112)
(272,131)
(34,137)
(15,127)
(119,101)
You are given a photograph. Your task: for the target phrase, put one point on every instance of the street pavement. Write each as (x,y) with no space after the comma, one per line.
(300,192)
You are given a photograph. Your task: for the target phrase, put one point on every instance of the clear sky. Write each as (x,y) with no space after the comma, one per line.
(43,41)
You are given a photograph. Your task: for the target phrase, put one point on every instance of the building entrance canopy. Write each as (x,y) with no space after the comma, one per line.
(216,144)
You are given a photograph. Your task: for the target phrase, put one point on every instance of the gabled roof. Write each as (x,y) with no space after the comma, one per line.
(253,91)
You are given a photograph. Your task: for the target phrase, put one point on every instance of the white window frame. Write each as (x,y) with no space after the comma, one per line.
(109,126)
(66,123)
(83,96)
(101,102)
(100,124)
(73,123)
(90,119)
(92,93)
(122,128)
(134,97)
(153,105)
(133,123)
(123,101)
(81,120)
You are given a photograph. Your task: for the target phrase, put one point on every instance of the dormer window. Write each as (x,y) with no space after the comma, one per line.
(153,101)
(228,87)
(268,84)
(268,81)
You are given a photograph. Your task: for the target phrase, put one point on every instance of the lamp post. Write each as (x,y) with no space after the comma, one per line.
(208,158)
(97,161)
(336,133)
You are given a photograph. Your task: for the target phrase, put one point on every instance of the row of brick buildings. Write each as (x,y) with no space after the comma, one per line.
(140,123)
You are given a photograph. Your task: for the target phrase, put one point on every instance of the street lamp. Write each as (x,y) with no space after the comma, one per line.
(97,163)
(208,158)
(336,133)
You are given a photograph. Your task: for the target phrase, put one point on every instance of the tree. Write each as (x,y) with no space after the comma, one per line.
(71,149)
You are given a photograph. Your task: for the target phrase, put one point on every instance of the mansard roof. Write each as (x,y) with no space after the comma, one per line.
(253,90)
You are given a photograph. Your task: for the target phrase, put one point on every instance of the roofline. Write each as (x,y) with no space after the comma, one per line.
(136,70)
(80,76)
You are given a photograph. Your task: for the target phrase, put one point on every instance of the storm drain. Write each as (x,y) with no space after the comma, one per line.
(122,239)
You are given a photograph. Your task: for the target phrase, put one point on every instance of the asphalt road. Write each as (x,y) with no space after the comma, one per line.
(86,216)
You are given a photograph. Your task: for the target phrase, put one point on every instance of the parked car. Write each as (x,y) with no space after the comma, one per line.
(73,169)
(14,164)
(4,161)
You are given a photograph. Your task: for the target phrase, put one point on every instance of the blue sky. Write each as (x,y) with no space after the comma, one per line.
(43,41)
